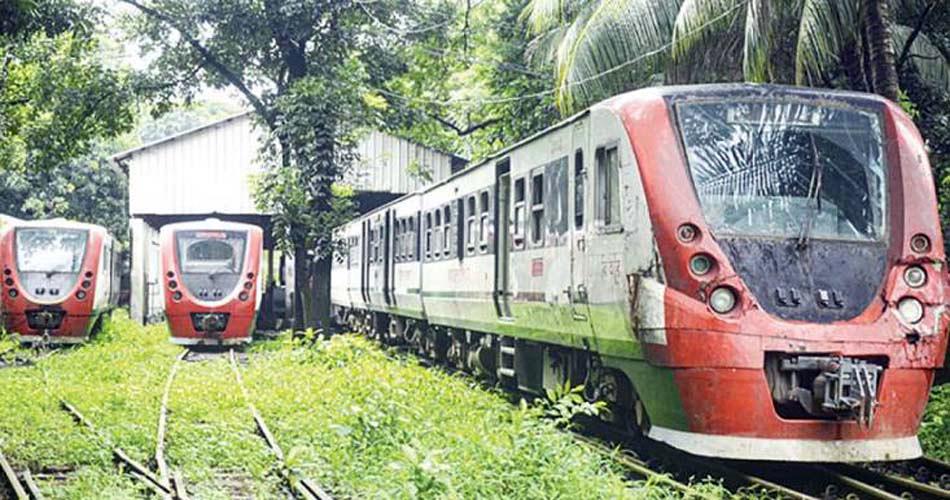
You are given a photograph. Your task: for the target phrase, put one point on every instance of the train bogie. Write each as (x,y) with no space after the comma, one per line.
(740,271)
(211,273)
(59,279)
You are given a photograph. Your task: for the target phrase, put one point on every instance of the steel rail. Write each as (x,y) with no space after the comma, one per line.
(636,465)
(301,487)
(135,469)
(12,480)
(894,483)
(32,488)
(169,480)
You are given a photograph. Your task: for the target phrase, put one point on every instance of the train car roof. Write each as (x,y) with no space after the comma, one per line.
(56,223)
(210,223)
(672,92)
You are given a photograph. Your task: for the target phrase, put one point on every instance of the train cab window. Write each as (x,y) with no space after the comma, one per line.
(537,208)
(608,186)
(517,222)
(428,244)
(483,222)
(470,231)
(447,230)
(580,174)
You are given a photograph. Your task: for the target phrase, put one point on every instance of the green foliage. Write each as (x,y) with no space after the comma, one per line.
(605,47)
(465,88)
(57,98)
(935,428)
(564,403)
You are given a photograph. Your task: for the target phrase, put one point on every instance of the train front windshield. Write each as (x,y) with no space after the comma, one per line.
(50,250)
(211,252)
(786,169)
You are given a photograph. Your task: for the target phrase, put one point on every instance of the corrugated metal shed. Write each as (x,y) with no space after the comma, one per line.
(209,169)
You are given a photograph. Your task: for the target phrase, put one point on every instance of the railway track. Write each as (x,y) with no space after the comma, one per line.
(20,486)
(173,482)
(300,486)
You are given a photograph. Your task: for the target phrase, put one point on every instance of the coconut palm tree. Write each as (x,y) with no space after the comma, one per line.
(602,47)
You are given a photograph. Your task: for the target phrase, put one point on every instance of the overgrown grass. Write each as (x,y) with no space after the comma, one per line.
(360,422)
(935,429)
(369,425)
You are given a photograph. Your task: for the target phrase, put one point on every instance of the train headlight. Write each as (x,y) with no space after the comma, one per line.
(173,284)
(915,276)
(722,300)
(700,264)
(86,284)
(243,296)
(8,281)
(80,295)
(247,285)
(13,293)
(910,309)
(176,296)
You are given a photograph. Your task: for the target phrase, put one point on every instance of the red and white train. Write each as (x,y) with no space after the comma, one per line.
(741,271)
(59,279)
(212,281)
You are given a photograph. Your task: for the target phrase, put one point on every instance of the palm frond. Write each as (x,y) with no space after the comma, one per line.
(612,48)
(826,27)
(699,23)
(757,41)
(930,63)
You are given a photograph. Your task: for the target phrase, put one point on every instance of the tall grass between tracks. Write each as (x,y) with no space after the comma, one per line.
(367,424)
(935,429)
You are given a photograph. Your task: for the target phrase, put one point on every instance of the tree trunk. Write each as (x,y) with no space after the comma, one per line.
(883,69)
(320,291)
(852,64)
(301,287)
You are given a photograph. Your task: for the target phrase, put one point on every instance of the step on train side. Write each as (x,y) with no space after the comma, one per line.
(740,271)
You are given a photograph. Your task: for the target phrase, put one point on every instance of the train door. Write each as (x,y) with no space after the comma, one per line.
(364,262)
(502,293)
(579,222)
(387,258)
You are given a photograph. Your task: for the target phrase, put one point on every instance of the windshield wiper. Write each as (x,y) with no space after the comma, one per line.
(814,192)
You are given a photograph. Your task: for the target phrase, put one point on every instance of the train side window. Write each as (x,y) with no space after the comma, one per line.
(397,239)
(580,175)
(437,229)
(402,239)
(537,208)
(428,244)
(518,219)
(447,230)
(471,224)
(483,222)
(608,186)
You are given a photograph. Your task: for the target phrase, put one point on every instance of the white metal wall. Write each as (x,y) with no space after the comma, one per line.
(392,164)
(203,172)
(145,301)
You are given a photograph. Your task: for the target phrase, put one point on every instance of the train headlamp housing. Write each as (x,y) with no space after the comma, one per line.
(13,293)
(911,310)
(243,296)
(81,295)
(915,276)
(176,296)
(920,243)
(723,300)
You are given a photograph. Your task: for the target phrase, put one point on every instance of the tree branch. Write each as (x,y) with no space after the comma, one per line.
(233,78)
(460,131)
(905,52)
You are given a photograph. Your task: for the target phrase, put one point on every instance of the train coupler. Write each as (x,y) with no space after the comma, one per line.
(825,387)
